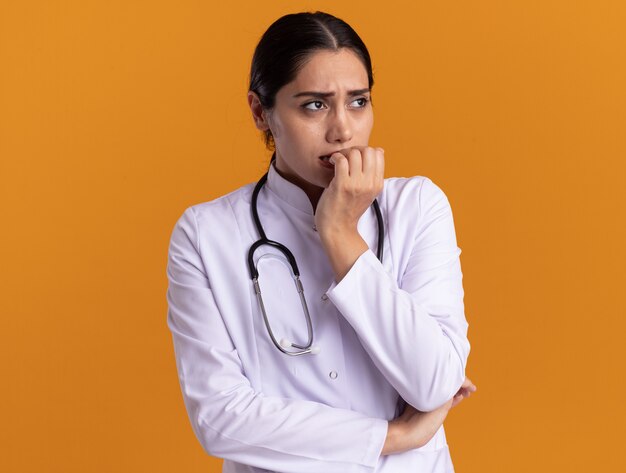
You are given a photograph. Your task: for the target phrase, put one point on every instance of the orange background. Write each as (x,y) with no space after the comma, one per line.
(117,115)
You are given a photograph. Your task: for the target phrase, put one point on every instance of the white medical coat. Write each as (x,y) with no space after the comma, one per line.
(388,333)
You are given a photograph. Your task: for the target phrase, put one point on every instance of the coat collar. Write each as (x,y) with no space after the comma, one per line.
(288,191)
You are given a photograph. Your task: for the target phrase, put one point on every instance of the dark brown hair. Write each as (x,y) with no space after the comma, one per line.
(286,46)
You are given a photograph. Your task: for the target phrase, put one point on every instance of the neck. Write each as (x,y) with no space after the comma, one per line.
(313,192)
(314,197)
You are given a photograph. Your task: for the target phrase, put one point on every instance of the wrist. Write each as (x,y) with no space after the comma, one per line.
(339,239)
(336,233)
(393,441)
(343,249)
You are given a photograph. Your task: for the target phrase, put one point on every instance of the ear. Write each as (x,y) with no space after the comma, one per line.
(258,114)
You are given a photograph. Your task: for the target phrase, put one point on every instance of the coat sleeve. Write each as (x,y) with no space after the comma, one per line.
(230,418)
(415,332)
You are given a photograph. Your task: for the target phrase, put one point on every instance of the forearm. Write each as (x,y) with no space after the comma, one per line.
(414,429)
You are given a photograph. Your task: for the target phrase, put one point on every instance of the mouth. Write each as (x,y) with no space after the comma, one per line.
(325,162)
(325,158)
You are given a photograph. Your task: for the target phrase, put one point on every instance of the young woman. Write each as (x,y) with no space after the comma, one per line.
(317,316)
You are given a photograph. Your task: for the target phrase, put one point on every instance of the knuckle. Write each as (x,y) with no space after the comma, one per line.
(339,158)
(355,152)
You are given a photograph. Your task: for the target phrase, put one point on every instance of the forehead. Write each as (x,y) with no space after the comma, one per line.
(331,70)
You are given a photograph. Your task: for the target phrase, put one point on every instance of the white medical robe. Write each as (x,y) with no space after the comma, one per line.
(387,333)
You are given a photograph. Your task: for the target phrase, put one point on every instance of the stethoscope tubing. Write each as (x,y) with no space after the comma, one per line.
(254,274)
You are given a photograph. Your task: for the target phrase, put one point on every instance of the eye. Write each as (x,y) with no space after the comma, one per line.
(363,102)
(316,105)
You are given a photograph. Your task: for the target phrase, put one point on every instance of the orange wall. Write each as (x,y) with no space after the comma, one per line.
(117,115)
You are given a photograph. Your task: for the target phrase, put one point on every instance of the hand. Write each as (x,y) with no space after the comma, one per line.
(359,178)
(466,390)
(413,428)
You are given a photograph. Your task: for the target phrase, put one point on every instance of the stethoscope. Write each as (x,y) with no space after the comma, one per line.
(285,345)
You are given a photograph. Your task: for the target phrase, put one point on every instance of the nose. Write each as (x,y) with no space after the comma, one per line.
(339,126)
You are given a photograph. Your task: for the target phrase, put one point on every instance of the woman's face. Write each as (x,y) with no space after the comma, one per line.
(324,109)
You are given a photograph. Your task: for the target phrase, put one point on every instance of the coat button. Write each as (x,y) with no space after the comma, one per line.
(333,375)
(314,227)
(324,297)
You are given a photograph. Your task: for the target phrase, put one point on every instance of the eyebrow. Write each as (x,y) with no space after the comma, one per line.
(323,95)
